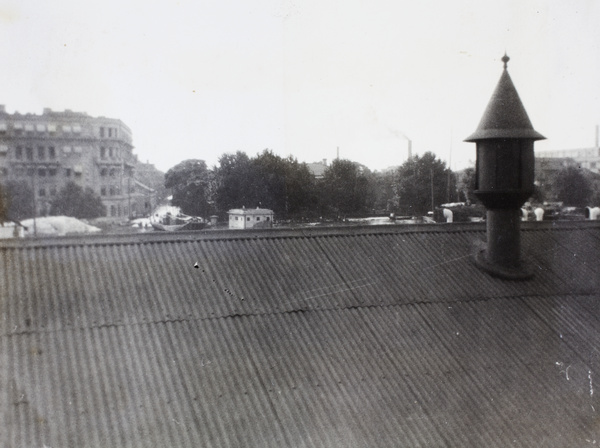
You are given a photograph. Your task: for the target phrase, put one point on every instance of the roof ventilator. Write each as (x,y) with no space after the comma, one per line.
(504,178)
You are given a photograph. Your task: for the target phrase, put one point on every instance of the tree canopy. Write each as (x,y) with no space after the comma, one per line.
(192,186)
(235,180)
(267,180)
(17,198)
(466,185)
(73,200)
(572,187)
(422,183)
(345,188)
(282,184)
(288,187)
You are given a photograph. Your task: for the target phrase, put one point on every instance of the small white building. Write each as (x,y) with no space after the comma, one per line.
(11,230)
(243,218)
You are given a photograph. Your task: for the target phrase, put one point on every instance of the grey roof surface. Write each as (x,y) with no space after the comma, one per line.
(362,337)
(250,211)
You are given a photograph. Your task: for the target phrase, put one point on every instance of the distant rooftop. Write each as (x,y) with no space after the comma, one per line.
(250,211)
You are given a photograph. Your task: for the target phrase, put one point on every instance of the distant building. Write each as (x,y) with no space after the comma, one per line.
(51,149)
(11,230)
(317,169)
(243,218)
(588,158)
(152,178)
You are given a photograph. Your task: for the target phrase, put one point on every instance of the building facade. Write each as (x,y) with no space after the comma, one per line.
(588,158)
(317,169)
(54,148)
(243,218)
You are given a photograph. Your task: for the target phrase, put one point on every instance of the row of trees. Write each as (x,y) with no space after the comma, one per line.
(573,186)
(17,202)
(346,189)
(288,187)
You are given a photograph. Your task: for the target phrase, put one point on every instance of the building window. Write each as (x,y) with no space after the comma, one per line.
(101,132)
(102,151)
(248,218)
(113,210)
(110,153)
(102,191)
(258,218)
(103,172)
(52,152)
(41,153)
(110,132)
(29,153)
(52,172)
(111,173)
(42,192)
(30,172)
(268,219)
(41,172)
(18,152)
(68,172)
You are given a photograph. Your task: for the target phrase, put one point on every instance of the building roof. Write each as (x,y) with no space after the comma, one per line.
(505,116)
(361,337)
(250,211)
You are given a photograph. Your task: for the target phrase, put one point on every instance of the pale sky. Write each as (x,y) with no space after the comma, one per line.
(197,78)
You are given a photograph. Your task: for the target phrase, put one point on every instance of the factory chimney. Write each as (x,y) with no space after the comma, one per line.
(504,177)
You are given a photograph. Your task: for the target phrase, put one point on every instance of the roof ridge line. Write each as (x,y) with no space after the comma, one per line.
(277,233)
(294,311)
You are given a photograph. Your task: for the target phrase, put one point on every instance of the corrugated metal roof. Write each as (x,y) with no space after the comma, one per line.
(323,338)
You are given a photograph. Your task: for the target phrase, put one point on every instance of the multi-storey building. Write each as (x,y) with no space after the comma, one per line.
(588,158)
(53,148)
